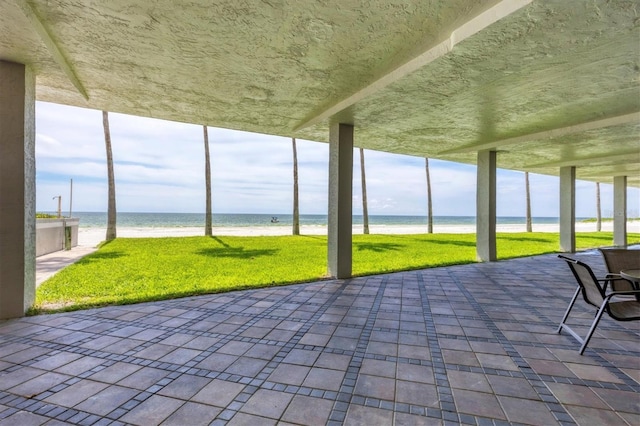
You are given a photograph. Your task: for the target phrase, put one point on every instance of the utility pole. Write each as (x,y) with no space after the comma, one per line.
(70,198)
(59,197)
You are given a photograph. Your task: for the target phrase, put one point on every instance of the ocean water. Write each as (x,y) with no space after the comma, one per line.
(177,220)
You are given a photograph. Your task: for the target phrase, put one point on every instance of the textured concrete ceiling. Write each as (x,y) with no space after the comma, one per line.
(546,83)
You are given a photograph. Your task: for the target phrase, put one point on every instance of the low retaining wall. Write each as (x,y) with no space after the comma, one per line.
(56,234)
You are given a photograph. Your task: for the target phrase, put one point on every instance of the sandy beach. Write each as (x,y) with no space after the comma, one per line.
(93,236)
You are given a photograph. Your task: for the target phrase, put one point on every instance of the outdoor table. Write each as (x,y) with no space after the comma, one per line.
(632,275)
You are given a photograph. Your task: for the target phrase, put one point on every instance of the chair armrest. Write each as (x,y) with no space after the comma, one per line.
(606,282)
(623,293)
(613,277)
(610,278)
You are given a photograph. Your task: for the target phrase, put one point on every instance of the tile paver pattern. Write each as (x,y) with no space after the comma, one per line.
(470,344)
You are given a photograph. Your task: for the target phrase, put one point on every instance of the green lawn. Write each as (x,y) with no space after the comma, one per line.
(130,270)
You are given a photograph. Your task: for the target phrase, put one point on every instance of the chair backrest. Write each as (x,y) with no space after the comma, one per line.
(617,260)
(592,292)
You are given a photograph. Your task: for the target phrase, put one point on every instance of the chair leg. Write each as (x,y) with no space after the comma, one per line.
(593,326)
(566,314)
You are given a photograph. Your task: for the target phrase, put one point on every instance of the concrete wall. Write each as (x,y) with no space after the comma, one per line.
(50,234)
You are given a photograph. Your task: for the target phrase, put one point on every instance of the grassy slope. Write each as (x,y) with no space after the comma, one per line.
(130,270)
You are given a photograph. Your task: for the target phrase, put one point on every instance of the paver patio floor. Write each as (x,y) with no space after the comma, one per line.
(469,344)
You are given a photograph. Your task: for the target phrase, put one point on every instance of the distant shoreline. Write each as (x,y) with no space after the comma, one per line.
(170,220)
(92,236)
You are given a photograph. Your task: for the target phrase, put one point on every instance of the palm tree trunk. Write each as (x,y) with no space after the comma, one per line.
(528,196)
(111,206)
(365,210)
(598,211)
(208,232)
(429,205)
(296,212)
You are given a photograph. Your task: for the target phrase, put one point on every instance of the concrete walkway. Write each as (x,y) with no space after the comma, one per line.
(48,264)
(471,344)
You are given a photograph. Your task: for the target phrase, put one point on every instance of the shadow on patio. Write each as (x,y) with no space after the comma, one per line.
(470,344)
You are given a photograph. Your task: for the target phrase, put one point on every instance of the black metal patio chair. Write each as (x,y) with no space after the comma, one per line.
(617,260)
(593,293)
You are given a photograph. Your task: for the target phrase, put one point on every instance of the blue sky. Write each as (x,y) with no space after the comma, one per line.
(159,167)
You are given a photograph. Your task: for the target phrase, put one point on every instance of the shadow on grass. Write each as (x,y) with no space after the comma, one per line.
(377,247)
(219,241)
(590,236)
(105,243)
(101,256)
(313,237)
(449,242)
(236,252)
(512,238)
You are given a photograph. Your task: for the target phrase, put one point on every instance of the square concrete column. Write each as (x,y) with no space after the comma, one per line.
(568,209)
(620,211)
(340,202)
(486,207)
(17,190)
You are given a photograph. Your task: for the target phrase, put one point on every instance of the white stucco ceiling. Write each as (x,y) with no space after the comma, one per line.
(547,83)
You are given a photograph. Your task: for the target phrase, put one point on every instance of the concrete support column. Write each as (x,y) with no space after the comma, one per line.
(620,211)
(340,202)
(568,209)
(17,190)
(486,207)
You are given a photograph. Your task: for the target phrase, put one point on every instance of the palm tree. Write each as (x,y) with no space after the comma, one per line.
(598,211)
(528,197)
(365,211)
(111,206)
(429,206)
(296,212)
(207,177)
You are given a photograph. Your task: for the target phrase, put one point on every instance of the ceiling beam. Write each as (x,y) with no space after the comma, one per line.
(607,175)
(466,30)
(548,134)
(52,46)
(625,158)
